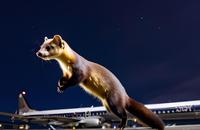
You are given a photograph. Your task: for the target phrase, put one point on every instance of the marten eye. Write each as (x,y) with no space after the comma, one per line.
(52,47)
(48,48)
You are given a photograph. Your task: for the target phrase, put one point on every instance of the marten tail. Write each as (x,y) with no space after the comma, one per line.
(144,114)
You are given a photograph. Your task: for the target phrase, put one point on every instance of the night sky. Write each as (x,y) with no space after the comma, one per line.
(153,47)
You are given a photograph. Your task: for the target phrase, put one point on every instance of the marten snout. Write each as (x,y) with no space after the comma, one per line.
(42,54)
(39,54)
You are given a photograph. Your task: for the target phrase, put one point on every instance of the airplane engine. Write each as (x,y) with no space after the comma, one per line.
(91,122)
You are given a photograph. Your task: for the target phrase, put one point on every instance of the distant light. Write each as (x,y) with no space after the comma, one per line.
(24,93)
(21,127)
(103,127)
(0,125)
(26,127)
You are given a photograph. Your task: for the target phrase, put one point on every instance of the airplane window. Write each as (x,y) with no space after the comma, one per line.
(163,112)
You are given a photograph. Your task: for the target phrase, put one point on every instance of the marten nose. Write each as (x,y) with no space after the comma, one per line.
(39,54)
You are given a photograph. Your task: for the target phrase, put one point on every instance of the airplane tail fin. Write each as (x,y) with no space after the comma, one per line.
(144,114)
(23,106)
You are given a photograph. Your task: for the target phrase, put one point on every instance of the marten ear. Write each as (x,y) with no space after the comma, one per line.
(45,38)
(58,40)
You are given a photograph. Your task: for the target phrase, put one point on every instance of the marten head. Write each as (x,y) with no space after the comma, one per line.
(51,48)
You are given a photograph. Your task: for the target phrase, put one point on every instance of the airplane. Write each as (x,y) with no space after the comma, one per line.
(86,117)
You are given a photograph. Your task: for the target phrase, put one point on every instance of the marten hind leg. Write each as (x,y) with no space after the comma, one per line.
(120,112)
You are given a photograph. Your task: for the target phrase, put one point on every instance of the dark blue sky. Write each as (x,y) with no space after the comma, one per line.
(153,47)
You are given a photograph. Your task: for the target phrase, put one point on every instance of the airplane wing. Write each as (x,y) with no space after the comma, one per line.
(10,114)
(64,120)
(52,118)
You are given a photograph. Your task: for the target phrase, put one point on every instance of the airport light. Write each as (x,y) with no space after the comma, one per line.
(26,127)
(21,127)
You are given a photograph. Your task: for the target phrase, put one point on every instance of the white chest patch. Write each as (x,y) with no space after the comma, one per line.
(66,69)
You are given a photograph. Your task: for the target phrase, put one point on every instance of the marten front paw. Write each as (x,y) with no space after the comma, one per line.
(61,85)
(59,90)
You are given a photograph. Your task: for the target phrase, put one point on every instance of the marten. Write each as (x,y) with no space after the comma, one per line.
(96,80)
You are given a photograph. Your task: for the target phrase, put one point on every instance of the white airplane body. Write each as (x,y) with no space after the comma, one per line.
(99,116)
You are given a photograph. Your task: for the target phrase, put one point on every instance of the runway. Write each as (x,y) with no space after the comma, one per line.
(181,127)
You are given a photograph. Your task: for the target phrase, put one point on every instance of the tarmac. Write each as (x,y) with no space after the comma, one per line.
(180,127)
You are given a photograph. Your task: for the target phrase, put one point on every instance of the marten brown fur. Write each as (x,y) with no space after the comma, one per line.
(97,80)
